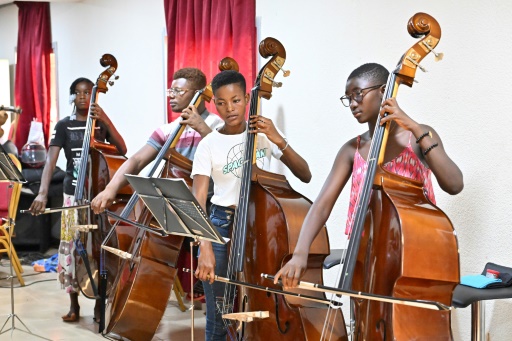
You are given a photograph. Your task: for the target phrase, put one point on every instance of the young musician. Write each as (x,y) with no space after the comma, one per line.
(69,135)
(218,157)
(199,123)
(413,150)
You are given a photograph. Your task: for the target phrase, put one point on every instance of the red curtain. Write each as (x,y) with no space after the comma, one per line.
(202,32)
(32,85)
(199,34)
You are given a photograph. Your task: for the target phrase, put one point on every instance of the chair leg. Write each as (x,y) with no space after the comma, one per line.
(17,260)
(478,321)
(178,291)
(15,263)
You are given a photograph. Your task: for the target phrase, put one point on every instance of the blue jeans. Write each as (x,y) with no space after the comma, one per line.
(222,218)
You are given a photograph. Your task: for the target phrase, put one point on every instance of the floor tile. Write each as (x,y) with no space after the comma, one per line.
(41,303)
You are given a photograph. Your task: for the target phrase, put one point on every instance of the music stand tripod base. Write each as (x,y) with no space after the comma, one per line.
(10,173)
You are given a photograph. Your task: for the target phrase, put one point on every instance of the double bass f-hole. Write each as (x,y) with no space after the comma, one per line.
(381,325)
(135,251)
(286,324)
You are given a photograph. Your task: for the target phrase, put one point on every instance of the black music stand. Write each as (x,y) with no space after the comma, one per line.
(9,172)
(177,211)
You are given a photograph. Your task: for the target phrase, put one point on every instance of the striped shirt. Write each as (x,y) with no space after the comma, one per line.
(187,144)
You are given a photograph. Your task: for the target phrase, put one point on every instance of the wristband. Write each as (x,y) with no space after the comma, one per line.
(285,146)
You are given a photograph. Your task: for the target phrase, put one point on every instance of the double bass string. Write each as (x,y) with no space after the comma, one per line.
(363,199)
(235,260)
(135,198)
(160,156)
(344,275)
(331,308)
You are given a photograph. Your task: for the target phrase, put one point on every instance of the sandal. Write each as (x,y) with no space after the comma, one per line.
(197,297)
(73,317)
(198,292)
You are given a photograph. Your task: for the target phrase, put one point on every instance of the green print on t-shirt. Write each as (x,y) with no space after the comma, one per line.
(237,163)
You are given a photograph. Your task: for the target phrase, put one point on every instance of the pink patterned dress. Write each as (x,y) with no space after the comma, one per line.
(406,164)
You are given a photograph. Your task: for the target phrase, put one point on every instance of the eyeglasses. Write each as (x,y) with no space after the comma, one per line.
(177,91)
(357,95)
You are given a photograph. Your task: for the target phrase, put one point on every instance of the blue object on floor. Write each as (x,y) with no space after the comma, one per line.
(50,264)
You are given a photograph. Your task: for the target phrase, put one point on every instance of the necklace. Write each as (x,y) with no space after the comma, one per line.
(224,131)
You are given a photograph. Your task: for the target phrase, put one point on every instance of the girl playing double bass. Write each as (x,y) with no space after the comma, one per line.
(68,135)
(413,150)
(220,156)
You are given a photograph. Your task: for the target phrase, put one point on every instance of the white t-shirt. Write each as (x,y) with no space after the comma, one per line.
(221,156)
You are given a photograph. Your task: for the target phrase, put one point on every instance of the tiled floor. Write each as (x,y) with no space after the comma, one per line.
(41,303)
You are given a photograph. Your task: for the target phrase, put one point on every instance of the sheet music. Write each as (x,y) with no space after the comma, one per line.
(175,207)
(193,216)
(164,216)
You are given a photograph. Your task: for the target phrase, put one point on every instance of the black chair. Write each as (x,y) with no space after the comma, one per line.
(334,258)
(37,231)
(464,296)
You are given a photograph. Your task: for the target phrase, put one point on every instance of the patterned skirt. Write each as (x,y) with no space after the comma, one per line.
(66,265)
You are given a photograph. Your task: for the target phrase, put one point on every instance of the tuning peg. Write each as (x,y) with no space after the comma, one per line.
(274,83)
(116,77)
(286,73)
(412,58)
(438,56)
(111,83)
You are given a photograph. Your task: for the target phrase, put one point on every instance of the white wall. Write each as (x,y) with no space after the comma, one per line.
(464,97)
(132,31)
(8,31)
(8,40)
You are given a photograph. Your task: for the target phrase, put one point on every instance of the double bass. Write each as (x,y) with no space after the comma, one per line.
(98,164)
(401,244)
(146,277)
(266,227)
